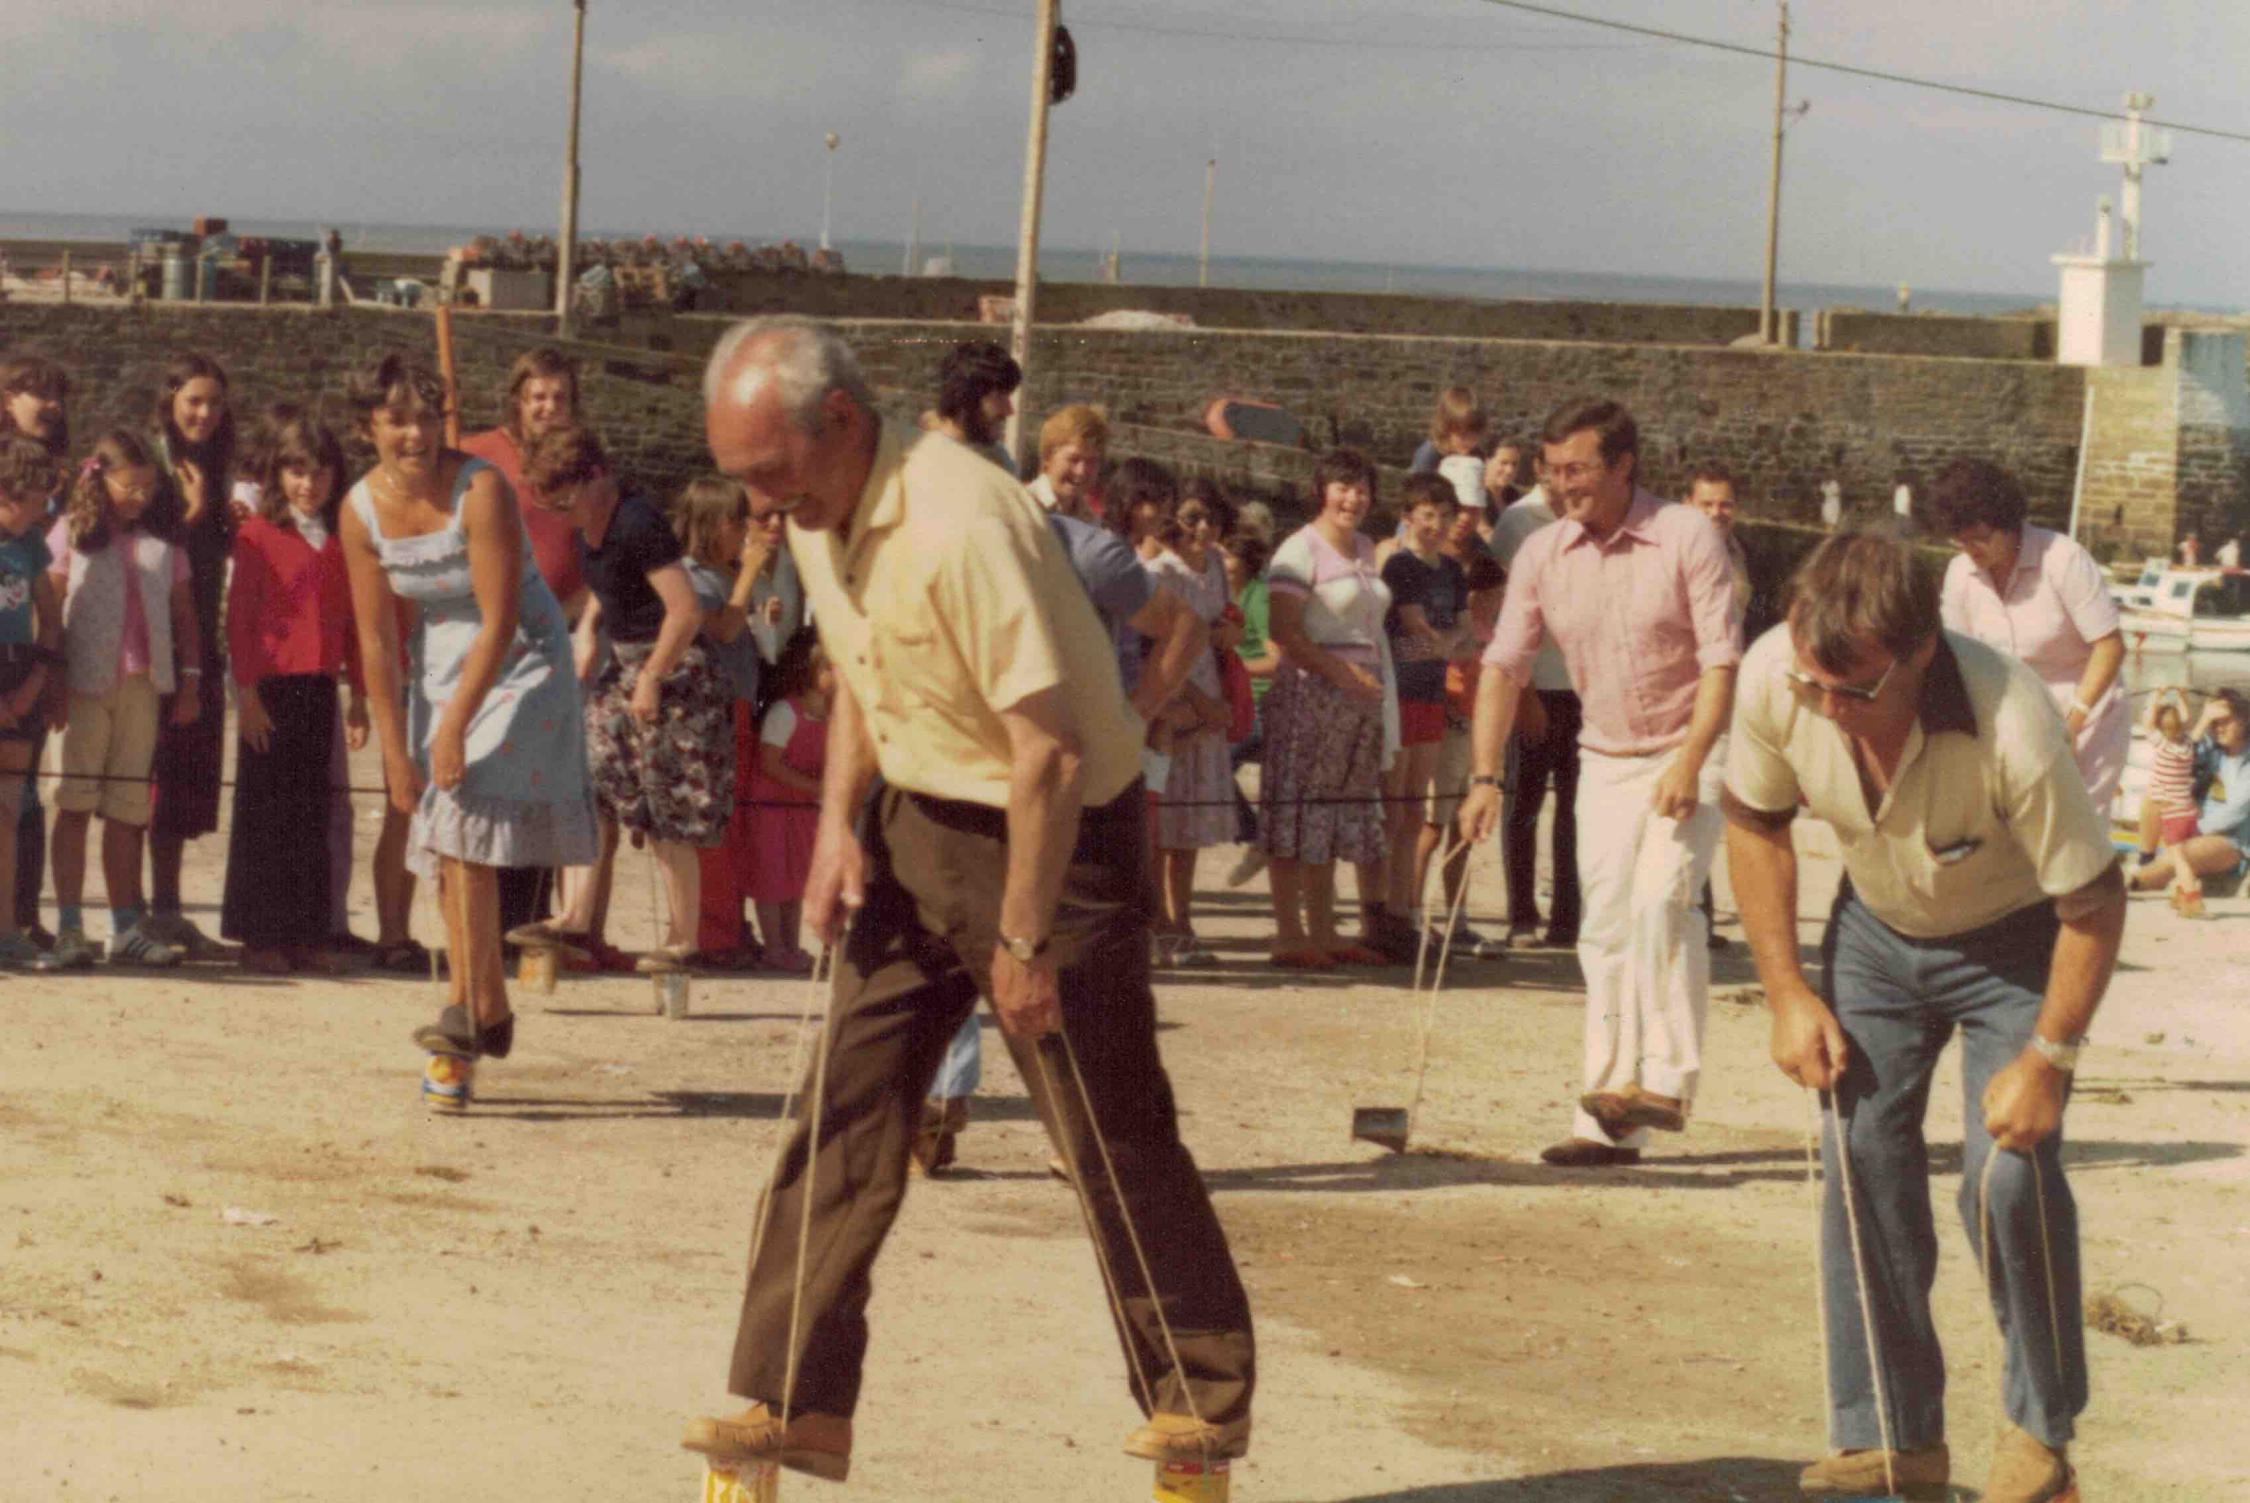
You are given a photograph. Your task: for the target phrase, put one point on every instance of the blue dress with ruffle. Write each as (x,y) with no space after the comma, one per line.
(524,799)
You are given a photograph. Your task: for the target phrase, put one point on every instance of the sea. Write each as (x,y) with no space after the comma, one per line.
(1078,264)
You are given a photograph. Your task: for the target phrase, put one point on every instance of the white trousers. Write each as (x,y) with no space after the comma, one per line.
(1643,944)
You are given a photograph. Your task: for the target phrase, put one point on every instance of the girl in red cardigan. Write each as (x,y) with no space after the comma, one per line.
(288,639)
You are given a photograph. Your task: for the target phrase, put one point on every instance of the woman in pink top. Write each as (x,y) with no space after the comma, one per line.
(2038,596)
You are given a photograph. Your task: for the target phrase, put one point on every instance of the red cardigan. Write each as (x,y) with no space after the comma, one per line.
(289,608)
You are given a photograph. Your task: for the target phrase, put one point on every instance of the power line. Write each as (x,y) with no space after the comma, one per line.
(1880,75)
(1295,39)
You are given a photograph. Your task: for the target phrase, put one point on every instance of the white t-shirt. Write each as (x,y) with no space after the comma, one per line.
(1518,521)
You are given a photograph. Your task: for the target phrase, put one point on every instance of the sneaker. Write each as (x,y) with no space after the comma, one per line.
(1523,936)
(136,946)
(40,937)
(18,952)
(1252,862)
(1181,1437)
(1194,954)
(70,952)
(176,931)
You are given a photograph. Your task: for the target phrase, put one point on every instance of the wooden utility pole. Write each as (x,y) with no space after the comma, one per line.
(1027,236)
(1203,257)
(566,253)
(1768,318)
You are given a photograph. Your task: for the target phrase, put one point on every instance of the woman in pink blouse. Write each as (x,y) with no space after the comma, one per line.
(2038,596)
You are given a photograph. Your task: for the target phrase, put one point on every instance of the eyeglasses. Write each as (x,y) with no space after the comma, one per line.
(1813,688)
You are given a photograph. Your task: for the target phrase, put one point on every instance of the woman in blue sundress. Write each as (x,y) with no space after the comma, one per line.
(489,757)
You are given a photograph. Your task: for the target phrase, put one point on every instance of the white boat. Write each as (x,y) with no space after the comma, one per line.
(2192,610)
(2141,593)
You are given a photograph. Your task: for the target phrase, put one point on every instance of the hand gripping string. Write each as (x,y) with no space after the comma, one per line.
(1866,1305)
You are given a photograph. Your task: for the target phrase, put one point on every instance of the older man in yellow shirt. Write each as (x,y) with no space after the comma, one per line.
(1003,854)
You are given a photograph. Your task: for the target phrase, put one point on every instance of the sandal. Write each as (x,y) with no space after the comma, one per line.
(546,934)
(1307,958)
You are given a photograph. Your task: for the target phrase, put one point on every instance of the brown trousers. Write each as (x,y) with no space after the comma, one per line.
(918,956)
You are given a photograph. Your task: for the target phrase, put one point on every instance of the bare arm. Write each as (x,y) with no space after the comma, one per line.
(683,618)
(1675,795)
(837,876)
(375,618)
(1043,817)
(495,535)
(1286,630)
(1494,717)
(1177,634)
(771,763)
(2101,671)
(2024,1102)
(1808,1043)
(187,652)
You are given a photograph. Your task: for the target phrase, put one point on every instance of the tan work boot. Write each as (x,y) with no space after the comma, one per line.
(1182,1437)
(1861,1474)
(820,1444)
(2025,1470)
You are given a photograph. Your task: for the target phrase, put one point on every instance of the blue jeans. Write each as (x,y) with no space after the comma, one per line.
(963,1065)
(1899,1000)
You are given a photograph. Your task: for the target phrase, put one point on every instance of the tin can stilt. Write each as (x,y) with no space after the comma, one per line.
(751,1482)
(535,969)
(448,1082)
(671,993)
(1191,1481)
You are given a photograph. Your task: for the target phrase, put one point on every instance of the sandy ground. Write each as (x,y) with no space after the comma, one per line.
(528,1302)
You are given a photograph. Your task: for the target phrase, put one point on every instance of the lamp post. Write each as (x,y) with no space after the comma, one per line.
(1203,257)
(566,253)
(1027,236)
(828,185)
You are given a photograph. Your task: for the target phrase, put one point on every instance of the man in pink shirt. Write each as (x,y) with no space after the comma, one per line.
(1640,597)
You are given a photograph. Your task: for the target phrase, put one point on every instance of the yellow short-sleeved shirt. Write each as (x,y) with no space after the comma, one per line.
(952,601)
(1987,813)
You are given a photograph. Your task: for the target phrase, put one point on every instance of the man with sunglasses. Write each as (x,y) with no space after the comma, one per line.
(1639,597)
(1980,893)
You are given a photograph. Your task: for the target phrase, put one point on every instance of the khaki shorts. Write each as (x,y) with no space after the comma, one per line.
(111,737)
(1451,779)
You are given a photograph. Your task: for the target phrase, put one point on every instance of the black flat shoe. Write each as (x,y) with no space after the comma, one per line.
(451,1034)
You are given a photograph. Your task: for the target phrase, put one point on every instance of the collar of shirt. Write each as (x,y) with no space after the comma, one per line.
(882,502)
(1944,703)
(1634,525)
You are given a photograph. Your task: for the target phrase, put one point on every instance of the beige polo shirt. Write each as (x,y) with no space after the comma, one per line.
(1987,813)
(952,601)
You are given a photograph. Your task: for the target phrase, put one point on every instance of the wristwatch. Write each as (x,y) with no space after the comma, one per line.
(2063,1056)
(1025,950)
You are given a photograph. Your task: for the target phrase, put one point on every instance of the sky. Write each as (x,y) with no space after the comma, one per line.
(1434,132)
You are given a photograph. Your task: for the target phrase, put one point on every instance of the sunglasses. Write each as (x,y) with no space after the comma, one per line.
(1813,688)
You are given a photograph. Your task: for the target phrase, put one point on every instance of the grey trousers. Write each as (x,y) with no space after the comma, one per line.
(1899,1000)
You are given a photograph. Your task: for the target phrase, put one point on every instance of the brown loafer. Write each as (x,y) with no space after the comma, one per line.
(1920,1475)
(817,1444)
(1582,1153)
(1183,1437)
(2026,1470)
(1612,1109)
(1659,1112)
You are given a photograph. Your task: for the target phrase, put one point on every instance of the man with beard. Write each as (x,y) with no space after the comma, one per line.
(977,383)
